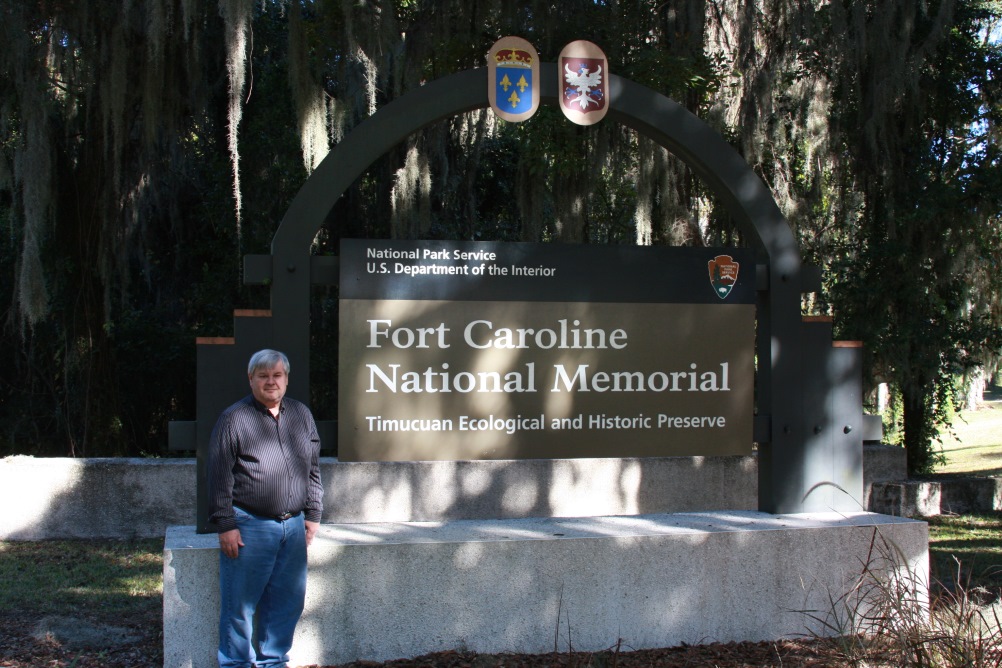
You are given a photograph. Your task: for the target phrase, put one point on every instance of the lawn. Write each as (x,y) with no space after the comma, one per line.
(975,444)
(112,580)
(971,545)
(81,604)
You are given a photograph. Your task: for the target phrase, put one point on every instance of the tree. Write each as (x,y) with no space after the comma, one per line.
(875,125)
(146,148)
(111,119)
(914,288)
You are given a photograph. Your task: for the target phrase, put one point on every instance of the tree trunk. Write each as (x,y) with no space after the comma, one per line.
(918,439)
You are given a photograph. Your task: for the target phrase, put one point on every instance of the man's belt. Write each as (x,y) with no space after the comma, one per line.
(280,518)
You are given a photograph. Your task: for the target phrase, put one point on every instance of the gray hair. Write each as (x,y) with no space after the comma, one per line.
(266,359)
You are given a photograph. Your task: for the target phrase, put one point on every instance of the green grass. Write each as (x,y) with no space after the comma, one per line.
(108,579)
(975,447)
(966,550)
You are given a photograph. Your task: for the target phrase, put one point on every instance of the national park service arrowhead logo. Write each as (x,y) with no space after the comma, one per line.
(584,75)
(723,274)
(513,79)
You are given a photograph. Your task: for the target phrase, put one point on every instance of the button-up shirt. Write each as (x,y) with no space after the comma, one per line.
(264,464)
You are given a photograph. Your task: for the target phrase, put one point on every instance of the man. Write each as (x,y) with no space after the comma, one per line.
(265,498)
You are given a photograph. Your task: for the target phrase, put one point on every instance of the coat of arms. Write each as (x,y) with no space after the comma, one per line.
(513,79)
(723,274)
(584,73)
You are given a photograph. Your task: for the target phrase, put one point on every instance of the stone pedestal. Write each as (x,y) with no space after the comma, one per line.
(382,591)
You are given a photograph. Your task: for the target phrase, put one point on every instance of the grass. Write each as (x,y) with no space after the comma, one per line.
(885,619)
(966,550)
(962,625)
(975,541)
(110,580)
(975,446)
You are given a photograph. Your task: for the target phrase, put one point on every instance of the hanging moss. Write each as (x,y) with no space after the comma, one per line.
(308,95)
(128,124)
(237,20)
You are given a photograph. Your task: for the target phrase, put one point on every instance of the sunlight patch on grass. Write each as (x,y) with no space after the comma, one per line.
(975,541)
(976,445)
(108,578)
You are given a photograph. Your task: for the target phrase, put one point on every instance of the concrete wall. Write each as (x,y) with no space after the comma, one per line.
(94,498)
(393,590)
(127,498)
(881,463)
(928,498)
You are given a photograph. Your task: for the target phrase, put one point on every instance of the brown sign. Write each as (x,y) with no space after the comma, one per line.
(509,378)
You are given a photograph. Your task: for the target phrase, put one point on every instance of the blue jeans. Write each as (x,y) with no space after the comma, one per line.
(268,578)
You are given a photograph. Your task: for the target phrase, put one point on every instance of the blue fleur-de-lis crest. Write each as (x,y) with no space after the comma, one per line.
(513,67)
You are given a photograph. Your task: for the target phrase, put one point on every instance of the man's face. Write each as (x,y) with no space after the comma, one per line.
(268,385)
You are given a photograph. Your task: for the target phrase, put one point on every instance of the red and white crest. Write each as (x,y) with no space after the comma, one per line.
(584,75)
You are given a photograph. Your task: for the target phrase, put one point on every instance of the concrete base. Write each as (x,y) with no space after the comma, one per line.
(48,498)
(42,498)
(393,590)
(928,498)
(881,463)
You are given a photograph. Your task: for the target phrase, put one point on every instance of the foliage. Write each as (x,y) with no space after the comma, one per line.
(913,288)
(144,149)
(892,615)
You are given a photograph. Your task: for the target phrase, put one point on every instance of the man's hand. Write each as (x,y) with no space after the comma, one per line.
(230,543)
(311,531)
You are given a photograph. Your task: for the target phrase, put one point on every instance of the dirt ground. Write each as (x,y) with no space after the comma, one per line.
(729,655)
(69,641)
(78,642)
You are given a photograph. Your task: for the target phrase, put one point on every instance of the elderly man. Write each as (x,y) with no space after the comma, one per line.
(265,498)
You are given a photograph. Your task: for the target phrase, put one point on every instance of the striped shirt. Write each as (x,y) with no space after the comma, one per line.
(267,466)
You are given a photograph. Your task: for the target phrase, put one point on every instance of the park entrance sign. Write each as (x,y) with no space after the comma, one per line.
(807,422)
(453,350)
(582,372)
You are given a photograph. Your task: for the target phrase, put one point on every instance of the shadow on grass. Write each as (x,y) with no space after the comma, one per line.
(973,540)
(109,580)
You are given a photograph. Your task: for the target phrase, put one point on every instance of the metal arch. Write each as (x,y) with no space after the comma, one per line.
(636,106)
(782,462)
